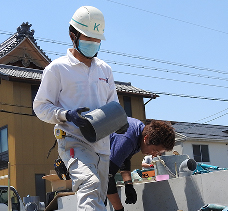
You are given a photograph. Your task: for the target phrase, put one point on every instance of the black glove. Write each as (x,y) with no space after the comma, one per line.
(75,116)
(61,169)
(123,129)
(131,196)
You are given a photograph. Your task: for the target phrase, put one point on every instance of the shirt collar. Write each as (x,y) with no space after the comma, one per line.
(73,60)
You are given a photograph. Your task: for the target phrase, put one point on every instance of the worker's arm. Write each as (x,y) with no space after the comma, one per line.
(131,196)
(115,201)
(126,175)
(146,165)
(112,189)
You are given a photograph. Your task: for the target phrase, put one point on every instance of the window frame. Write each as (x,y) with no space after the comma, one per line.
(127,105)
(203,152)
(4,154)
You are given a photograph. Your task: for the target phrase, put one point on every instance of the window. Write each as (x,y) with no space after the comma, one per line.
(40,187)
(201,153)
(127,105)
(4,157)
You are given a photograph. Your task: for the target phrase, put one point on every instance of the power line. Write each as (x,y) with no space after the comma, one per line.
(133,65)
(163,61)
(165,16)
(123,54)
(169,79)
(215,118)
(212,115)
(166,70)
(190,96)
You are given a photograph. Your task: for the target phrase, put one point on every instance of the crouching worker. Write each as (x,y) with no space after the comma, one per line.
(152,139)
(72,84)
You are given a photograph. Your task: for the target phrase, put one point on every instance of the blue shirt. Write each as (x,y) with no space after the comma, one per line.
(127,144)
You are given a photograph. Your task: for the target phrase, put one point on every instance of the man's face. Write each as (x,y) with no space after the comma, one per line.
(153,150)
(83,37)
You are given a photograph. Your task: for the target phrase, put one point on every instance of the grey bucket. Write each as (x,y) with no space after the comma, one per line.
(104,121)
(172,164)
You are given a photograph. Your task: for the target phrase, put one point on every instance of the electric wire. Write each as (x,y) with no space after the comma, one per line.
(160,69)
(153,60)
(165,70)
(216,118)
(163,61)
(124,54)
(190,96)
(133,65)
(169,79)
(165,16)
(211,115)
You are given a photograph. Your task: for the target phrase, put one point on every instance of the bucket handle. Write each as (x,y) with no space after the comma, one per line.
(166,167)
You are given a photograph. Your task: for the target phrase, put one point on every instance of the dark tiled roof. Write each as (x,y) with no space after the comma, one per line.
(12,42)
(127,87)
(9,72)
(201,131)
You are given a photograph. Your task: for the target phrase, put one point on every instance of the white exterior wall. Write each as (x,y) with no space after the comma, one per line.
(218,152)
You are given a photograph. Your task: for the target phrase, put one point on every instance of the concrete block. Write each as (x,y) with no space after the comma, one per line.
(184,193)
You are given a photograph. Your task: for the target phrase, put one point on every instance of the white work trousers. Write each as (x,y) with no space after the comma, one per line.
(88,171)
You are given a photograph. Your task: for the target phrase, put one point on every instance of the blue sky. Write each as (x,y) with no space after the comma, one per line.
(167,47)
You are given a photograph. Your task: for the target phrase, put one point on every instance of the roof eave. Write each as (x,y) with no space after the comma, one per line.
(197,139)
(17,79)
(132,93)
(38,49)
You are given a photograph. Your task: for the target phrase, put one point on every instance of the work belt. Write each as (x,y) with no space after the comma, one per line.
(59,134)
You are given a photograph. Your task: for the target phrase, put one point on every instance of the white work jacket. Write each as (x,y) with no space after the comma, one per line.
(68,84)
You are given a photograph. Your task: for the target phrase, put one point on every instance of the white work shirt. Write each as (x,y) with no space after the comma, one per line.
(68,84)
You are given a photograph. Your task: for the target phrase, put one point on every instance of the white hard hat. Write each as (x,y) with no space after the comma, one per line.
(89,21)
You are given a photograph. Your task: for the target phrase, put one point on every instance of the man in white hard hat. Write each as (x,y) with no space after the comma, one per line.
(73,84)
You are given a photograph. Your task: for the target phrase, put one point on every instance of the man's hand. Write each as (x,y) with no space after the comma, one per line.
(75,116)
(131,196)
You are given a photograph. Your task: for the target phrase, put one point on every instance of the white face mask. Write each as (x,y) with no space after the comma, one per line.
(88,48)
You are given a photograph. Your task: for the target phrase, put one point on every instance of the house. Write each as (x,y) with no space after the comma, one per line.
(204,143)
(24,139)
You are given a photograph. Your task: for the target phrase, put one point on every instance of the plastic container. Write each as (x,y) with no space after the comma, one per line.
(162,177)
(172,164)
